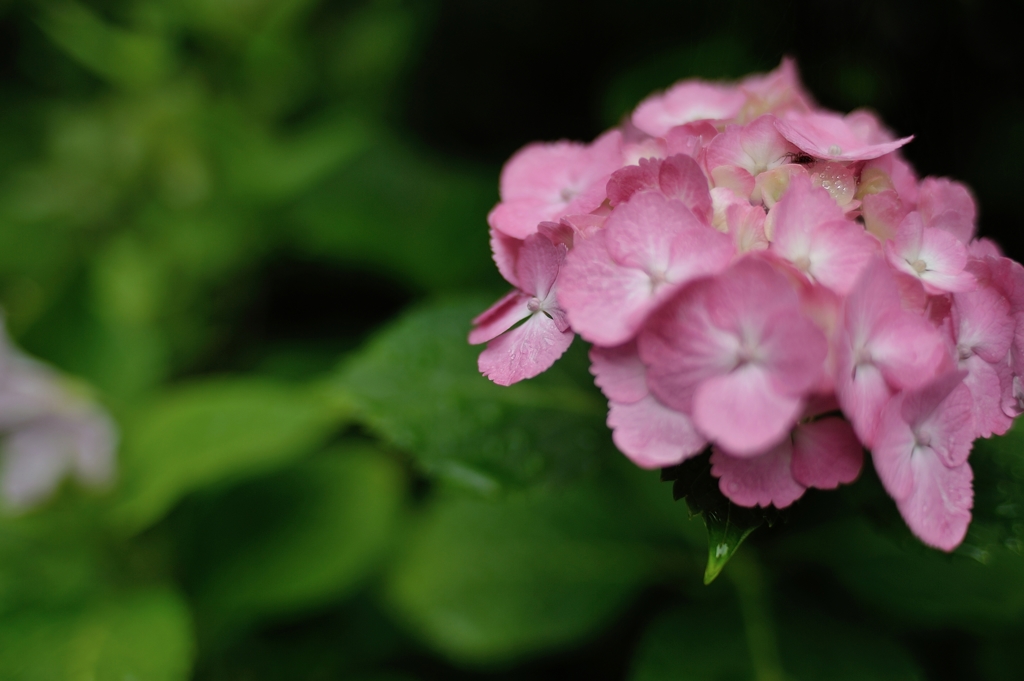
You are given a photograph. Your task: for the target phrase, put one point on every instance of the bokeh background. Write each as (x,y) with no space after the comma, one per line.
(256,229)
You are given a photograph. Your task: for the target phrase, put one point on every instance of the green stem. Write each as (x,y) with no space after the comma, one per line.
(746,576)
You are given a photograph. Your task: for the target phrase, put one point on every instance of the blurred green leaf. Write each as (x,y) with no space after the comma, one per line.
(297,539)
(215,431)
(417,385)
(910,583)
(416,218)
(707,640)
(702,640)
(815,645)
(50,558)
(487,581)
(264,169)
(121,56)
(727,524)
(998,522)
(145,636)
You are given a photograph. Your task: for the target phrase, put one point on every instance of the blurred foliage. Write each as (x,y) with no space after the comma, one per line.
(256,227)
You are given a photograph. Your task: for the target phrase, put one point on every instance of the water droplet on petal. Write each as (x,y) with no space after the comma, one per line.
(836,179)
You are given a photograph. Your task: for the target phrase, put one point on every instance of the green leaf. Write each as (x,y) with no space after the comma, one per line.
(51,557)
(264,169)
(486,581)
(708,640)
(727,524)
(412,217)
(212,432)
(908,582)
(124,57)
(294,540)
(998,522)
(144,636)
(815,645)
(417,385)
(701,640)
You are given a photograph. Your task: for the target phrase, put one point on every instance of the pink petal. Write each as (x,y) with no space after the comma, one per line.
(525,351)
(653,435)
(893,451)
(862,393)
(619,373)
(626,182)
(949,206)
(682,348)
(908,350)
(941,415)
(685,102)
(777,91)
(542,182)
(500,317)
(834,137)
(839,252)
(983,323)
(648,248)
(826,453)
(883,212)
(538,265)
(681,178)
(640,232)
(506,252)
(938,511)
(739,180)
(762,480)
(985,384)
(742,412)
(606,303)
(934,256)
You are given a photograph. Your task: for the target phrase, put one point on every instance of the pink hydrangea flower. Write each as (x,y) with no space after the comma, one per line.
(771,279)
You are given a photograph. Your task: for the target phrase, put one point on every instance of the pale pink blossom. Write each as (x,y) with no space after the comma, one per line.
(737,156)
(983,332)
(737,354)
(933,255)
(809,229)
(543,182)
(513,352)
(924,438)
(686,102)
(881,348)
(649,247)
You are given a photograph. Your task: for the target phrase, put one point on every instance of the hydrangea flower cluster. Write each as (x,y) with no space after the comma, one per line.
(47,430)
(771,279)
